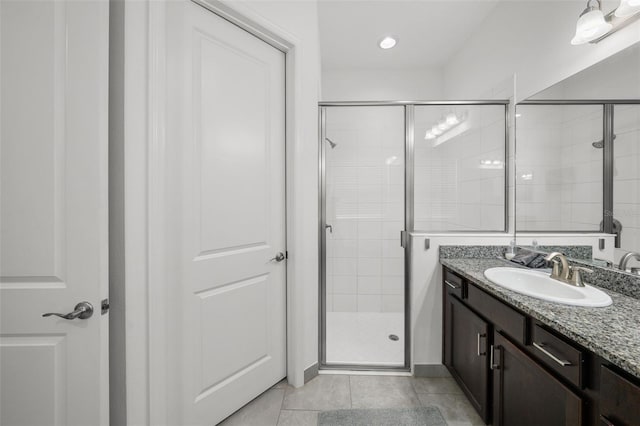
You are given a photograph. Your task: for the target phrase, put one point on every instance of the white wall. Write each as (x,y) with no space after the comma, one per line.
(381,84)
(299,19)
(530,39)
(617,77)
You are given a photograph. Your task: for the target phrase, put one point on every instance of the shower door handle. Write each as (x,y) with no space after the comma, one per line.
(329,227)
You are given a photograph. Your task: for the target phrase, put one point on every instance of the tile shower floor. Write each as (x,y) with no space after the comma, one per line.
(363,338)
(286,405)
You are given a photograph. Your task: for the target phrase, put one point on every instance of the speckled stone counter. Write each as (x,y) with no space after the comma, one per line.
(612,332)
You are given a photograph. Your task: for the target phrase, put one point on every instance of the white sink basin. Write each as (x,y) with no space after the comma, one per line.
(539,285)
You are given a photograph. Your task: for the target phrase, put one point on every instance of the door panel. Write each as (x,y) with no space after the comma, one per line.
(469,337)
(228,132)
(37,364)
(231,104)
(33,227)
(53,219)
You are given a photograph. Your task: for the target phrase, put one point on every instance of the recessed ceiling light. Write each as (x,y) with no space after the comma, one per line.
(388,42)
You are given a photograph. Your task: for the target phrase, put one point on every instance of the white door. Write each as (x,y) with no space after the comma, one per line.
(53,189)
(227,135)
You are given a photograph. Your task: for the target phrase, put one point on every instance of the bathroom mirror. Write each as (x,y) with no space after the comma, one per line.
(577,168)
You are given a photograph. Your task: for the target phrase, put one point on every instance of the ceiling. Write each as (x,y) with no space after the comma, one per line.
(429,32)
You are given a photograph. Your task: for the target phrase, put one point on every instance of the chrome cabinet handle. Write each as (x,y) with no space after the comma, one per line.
(491,364)
(83,310)
(278,258)
(453,286)
(329,227)
(541,347)
(480,336)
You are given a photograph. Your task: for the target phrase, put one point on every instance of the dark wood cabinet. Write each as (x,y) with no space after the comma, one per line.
(517,371)
(525,394)
(620,400)
(466,352)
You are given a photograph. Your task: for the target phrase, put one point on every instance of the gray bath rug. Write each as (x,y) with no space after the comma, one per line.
(422,416)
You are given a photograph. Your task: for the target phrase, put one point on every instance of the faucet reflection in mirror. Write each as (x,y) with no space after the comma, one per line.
(625,260)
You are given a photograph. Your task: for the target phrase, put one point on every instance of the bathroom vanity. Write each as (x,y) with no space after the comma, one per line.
(525,361)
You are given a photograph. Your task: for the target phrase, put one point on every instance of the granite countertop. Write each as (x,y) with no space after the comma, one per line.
(613,332)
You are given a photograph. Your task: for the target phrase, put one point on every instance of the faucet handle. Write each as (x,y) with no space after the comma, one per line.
(555,272)
(576,276)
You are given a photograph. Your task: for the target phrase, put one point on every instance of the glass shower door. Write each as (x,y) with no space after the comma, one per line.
(363,215)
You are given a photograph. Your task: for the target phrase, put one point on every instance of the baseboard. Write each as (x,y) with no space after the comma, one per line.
(430,370)
(310,372)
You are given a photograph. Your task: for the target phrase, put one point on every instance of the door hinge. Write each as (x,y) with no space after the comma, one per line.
(403,239)
(104,305)
(286,254)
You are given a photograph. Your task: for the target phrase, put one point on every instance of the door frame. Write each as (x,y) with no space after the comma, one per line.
(148,309)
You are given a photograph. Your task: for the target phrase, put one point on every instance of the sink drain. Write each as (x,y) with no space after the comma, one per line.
(393,337)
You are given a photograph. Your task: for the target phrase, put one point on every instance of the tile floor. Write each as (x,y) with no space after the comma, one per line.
(286,405)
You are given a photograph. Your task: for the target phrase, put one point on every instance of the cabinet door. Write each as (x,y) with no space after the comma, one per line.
(525,394)
(620,399)
(467,356)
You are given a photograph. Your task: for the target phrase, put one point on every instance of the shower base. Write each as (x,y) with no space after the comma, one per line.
(362,338)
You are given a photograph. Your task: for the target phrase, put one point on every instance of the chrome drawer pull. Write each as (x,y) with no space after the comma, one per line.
(453,286)
(541,347)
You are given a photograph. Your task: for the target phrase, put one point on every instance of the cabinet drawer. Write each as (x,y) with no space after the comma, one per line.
(619,399)
(558,355)
(453,284)
(502,316)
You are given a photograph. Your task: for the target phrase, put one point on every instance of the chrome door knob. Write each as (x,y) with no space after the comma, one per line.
(83,310)
(279,257)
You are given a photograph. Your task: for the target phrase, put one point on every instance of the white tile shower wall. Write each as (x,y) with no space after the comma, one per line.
(365,206)
(454,189)
(626,186)
(558,170)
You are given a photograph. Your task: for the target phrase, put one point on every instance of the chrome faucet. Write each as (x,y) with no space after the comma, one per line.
(625,259)
(571,275)
(557,273)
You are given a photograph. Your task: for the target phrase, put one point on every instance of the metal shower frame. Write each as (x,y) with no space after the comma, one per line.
(409,126)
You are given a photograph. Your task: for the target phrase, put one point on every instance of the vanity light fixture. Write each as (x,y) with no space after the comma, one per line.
(593,25)
(627,8)
(388,42)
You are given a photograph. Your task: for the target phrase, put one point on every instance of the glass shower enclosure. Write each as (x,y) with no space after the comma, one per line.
(362,207)
(387,171)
